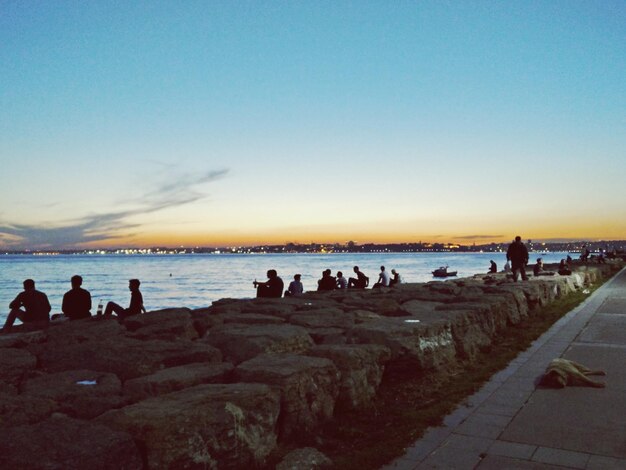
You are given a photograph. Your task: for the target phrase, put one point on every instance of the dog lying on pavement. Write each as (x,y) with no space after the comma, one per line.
(562,372)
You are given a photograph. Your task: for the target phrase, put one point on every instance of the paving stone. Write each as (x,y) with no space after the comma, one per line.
(473,443)
(497,462)
(605,328)
(512,449)
(598,462)
(458,459)
(564,458)
(483,425)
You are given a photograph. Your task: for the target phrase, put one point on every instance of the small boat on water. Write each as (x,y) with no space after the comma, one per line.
(443,272)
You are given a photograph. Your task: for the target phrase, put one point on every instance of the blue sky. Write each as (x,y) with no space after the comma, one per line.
(219,123)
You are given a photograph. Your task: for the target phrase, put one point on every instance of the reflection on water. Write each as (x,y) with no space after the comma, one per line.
(195,281)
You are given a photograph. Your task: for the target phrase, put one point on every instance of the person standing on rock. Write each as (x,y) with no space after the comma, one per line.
(136,303)
(518,255)
(272,288)
(36,307)
(361,280)
(77,301)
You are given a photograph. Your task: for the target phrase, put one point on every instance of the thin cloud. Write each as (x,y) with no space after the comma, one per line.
(479,237)
(109,225)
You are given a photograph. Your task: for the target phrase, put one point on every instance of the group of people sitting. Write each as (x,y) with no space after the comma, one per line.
(32,306)
(274,285)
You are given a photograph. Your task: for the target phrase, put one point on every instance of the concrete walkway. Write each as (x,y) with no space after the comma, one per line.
(509,424)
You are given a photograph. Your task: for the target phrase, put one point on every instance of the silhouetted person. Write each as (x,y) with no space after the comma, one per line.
(136,303)
(342,282)
(584,256)
(564,269)
(395,278)
(383,279)
(493,267)
(295,286)
(518,255)
(273,287)
(327,282)
(361,280)
(538,269)
(36,307)
(77,301)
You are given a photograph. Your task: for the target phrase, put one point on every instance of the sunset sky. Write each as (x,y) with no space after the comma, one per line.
(227,123)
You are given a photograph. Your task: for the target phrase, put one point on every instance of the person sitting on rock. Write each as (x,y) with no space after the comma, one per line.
(327,282)
(395,278)
(295,286)
(77,301)
(493,267)
(383,279)
(136,303)
(361,281)
(36,307)
(342,282)
(272,288)
(564,269)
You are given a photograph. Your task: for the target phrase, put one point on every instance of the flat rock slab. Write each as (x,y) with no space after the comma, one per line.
(125,357)
(207,426)
(79,393)
(65,443)
(175,378)
(251,319)
(308,387)
(19,340)
(239,343)
(330,318)
(608,328)
(306,458)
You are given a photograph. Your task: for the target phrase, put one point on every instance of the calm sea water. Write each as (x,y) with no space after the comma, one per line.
(197,280)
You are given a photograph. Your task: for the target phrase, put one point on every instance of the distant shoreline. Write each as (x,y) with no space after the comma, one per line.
(350,248)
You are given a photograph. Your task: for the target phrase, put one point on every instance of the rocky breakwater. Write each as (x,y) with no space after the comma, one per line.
(220,387)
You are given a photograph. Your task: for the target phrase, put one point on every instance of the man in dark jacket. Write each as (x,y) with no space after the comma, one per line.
(36,307)
(517,254)
(77,301)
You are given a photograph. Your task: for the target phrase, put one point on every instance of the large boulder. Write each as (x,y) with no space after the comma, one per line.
(62,443)
(16,410)
(14,363)
(361,367)
(324,318)
(125,357)
(79,393)
(308,387)
(413,342)
(206,426)
(239,343)
(19,340)
(175,378)
(251,319)
(306,458)
(169,324)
